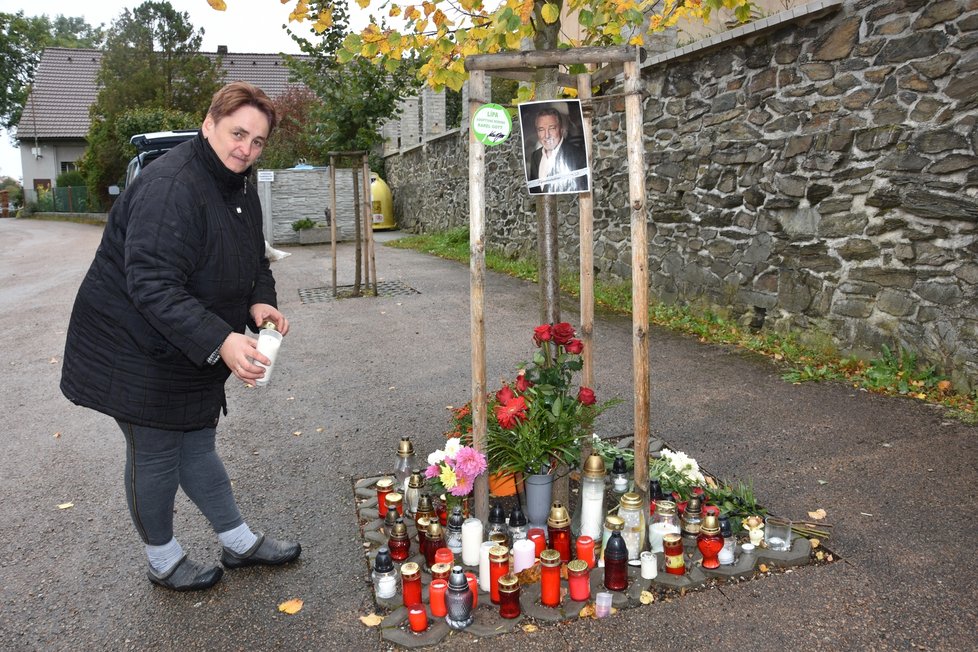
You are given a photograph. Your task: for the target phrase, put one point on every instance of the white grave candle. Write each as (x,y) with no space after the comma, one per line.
(471,541)
(484,565)
(524,554)
(650,565)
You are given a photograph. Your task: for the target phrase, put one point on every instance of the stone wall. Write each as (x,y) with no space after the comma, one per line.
(824,175)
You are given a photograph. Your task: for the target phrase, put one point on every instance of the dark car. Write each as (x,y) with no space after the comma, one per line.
(150,147)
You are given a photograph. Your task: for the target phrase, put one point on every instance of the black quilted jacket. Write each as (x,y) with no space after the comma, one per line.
(181,261)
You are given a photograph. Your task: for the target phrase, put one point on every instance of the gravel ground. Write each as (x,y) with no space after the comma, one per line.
(897,479)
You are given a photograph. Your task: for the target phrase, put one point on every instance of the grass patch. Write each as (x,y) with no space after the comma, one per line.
(893,373)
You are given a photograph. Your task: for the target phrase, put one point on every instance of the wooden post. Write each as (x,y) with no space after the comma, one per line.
(357,235)
(586,253)
(477,285)
(640,273)
(332,214)
(369,212)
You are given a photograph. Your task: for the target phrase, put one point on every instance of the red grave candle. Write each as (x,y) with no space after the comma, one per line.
(417,618)
(436,596)
(585,550)
(579,580)
(539,539)
(411,584)
(473,581)
(509,596)
(444,556)
(498,566)
(550,578)
(384,487)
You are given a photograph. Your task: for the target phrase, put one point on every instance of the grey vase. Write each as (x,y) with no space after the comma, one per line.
(458,600)
(539,492)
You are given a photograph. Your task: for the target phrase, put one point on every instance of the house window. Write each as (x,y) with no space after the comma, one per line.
(68,166)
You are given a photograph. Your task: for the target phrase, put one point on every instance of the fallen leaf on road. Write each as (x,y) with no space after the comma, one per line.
(320,429)
(886,445)
(815,543)
(819,555)
(291,398)
(587,611)
(944,385)
(297,433)
(53,361)
(646,597)
(57,435)
(818,514)
(529,628)
(372,620)
(66,505)
(762,568)
(823,481)
(290,607)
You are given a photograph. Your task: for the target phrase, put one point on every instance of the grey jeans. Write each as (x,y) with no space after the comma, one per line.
(159,461)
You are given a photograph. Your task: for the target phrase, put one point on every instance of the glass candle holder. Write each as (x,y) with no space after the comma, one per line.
(417,618)
(411,584)
(777,533)
(602,604)
(394,501)
(384,486)
(399,544)
(509,596)
(579,580)
(616,563)
(436,597)
(550,578)
(498,566)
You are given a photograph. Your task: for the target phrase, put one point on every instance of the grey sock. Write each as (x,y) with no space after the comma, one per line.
(163,558)
(239,540)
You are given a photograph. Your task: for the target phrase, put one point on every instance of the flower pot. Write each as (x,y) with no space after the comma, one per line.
(539,492)
(502,484)
(315,235)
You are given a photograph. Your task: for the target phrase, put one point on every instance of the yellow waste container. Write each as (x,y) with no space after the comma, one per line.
(383,204)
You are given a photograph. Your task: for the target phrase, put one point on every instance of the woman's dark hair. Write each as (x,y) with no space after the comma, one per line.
(237,94)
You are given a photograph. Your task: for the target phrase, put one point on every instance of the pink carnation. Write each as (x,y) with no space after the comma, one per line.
(469,464)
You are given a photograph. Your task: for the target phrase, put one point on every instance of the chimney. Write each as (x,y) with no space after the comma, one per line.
(222,49)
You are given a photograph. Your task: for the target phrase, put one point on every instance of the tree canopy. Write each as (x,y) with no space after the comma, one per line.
(22,40)
(441,33)
(152,77)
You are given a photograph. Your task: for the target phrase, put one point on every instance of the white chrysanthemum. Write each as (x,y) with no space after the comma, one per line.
(452,446)
(436,458)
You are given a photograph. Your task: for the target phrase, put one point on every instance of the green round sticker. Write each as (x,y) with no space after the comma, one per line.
(491,124)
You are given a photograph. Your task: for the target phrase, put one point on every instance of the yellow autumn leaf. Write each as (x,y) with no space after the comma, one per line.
(217,5)
(395,11)
(529,628)
(587,611)
(646,597)
(296,433)
(66,505)
(817,515)
(57,435)
(372,620)
(636,40)
(363,3)
(325,19)
(815,543)
(762,568)
(944,385)
(290,607)
(819,555)
(550,13)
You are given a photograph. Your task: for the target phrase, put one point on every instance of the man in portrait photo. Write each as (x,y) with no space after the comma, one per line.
(556,163)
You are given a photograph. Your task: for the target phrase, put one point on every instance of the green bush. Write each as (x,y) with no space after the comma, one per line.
(304,223)
(73,178)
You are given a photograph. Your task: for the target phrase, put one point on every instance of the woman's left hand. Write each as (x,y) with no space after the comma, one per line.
(262,312)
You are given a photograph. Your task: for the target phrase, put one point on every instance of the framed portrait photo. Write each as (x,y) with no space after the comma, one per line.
(555,157)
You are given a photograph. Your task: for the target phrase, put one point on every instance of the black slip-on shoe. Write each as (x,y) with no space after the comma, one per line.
(187,575)
(266,552)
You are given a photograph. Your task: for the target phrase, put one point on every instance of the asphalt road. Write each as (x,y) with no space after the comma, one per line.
(897,479)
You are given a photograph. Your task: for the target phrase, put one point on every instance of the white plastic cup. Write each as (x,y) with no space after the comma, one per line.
(269,341)
(602,604)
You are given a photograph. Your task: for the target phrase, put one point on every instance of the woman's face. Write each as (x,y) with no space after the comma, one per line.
(238,138)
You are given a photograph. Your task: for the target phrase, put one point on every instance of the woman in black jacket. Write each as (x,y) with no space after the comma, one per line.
(158,326)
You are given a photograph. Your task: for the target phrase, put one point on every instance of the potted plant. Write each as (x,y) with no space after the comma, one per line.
(310,231)
(539,421)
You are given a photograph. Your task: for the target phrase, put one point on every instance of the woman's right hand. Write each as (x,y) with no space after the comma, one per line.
(238,352)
